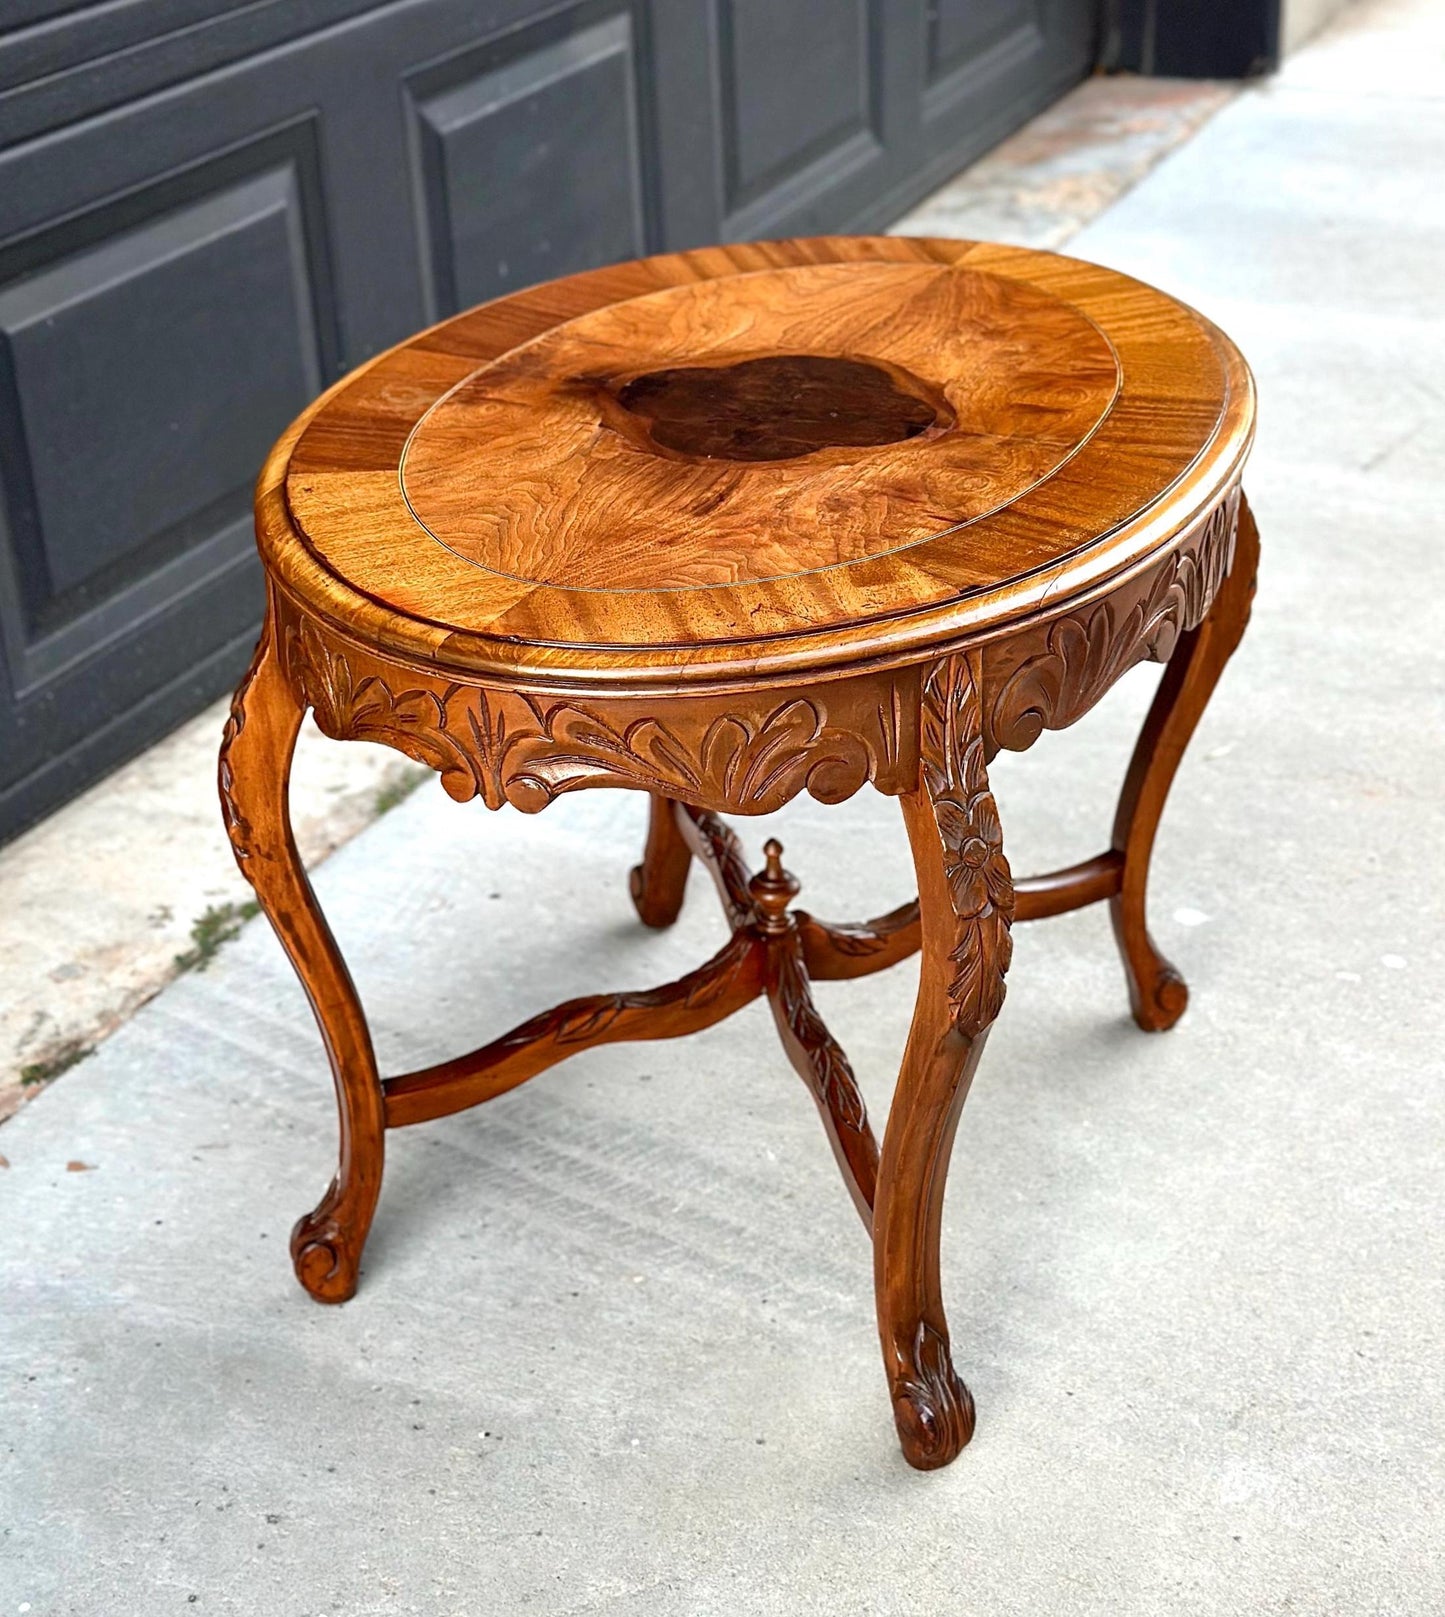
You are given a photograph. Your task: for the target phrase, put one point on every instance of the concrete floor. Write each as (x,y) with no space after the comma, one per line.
(614,1352)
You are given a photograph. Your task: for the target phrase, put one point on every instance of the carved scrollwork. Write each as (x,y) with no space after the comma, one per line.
(979,881)
(933,1408)
(836,1086)
(238,827)
(323,1250)
(1051,675)
(585,1022)
(525,749)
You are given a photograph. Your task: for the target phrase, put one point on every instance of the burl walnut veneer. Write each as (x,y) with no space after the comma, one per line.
(729,525)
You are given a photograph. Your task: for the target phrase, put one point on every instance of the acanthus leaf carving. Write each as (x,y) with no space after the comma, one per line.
(1050,675)
(523,749)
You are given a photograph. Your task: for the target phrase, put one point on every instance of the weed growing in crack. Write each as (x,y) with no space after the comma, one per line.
(41,1072)
(218,925)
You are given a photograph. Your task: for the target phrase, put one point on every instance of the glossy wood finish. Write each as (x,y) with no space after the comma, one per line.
(780,407)
(1157,993)
(859,947)
(658,883)
(254,777)
(703,997)
(726,527)
(1006,525)
(965,896)
(815,1054)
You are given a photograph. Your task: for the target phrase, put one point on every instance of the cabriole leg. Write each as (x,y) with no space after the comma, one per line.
(1157,993)
(255,771)
(658,883)
(966,903)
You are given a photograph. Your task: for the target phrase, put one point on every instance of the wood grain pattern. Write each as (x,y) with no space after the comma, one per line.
(254,777)
(965,897)
(528,469)
(1157,993)
(726,527)
(662,573)
(779,407)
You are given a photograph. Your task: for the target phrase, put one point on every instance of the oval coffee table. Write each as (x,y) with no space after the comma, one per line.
(726,526)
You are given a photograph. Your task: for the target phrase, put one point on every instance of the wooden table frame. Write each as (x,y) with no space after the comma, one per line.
(923,731)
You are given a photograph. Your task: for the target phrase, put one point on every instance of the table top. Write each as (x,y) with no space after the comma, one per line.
(758,461)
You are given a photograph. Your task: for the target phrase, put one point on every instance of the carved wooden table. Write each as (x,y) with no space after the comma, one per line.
(726,526)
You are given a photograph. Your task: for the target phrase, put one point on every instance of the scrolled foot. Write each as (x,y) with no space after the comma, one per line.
(325,1260)
(932,1408)
(1160,999)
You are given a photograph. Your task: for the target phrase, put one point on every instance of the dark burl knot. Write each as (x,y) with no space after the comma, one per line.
(773,889)
(777,407)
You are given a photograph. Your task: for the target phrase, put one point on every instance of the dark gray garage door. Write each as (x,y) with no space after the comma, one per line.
(211,208)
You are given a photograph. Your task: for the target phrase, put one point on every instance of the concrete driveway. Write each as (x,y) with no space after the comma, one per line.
(614,1352)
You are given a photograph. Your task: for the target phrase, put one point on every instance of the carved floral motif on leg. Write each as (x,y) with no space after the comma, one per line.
(966,908)
(254,772)
(980,886)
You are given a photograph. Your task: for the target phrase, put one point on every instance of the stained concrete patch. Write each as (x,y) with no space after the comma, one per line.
(102,903)
(1041,186)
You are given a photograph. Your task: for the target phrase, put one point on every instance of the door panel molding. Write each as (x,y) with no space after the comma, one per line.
(95,347)
(962,33)
(800,106)
(483,180)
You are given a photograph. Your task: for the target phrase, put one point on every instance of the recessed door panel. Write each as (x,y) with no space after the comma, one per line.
(960,31)
(143,376)
(800,98)
(167,304)
(532,161)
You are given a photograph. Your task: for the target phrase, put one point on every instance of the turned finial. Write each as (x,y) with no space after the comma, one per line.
(773,889)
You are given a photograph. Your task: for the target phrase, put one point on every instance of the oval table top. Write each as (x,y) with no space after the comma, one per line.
(754,462)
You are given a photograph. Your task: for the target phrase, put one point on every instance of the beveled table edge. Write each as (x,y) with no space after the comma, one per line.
(877,643)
